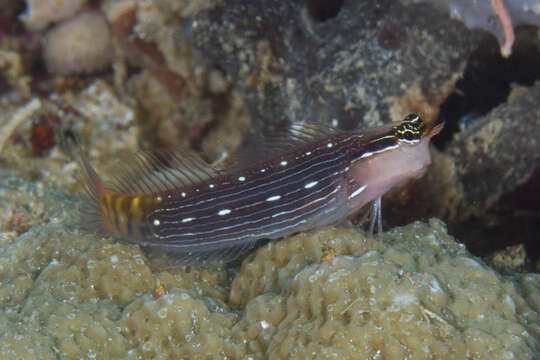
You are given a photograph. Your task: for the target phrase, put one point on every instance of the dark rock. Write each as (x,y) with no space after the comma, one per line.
(498,152)
(352,61)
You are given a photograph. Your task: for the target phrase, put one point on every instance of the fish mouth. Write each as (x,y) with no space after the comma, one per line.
(435,129)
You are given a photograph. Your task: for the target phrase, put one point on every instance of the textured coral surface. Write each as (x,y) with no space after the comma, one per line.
(416,294)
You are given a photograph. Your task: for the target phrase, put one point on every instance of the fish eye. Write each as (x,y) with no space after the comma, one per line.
(410,130)
(409,136)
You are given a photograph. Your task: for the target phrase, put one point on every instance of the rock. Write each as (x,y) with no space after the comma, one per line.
(355,64)
(82,44)
(40,13)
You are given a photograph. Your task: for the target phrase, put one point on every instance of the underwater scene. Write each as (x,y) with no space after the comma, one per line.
(269,179)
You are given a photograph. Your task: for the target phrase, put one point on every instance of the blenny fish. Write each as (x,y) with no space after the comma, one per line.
(180,205)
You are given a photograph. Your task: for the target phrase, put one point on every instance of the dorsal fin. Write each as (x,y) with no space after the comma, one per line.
(259,147)
(158,171)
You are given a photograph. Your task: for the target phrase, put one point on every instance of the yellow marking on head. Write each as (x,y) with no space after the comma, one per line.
(410,130)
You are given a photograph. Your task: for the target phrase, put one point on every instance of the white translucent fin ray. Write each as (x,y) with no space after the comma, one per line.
(119,183)
(145,163)
(200,170)
(91,178)
(297,134)
(199,174)
(376,218)
(159,171)
(166,172)
(92,188)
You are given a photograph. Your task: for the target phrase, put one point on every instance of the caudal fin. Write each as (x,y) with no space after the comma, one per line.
(93,217)
(94,186)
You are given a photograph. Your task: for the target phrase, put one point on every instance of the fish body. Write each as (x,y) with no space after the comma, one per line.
(195,213)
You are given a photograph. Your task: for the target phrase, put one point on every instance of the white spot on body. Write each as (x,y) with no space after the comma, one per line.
(329,145)
(311,184)
(224,212)
(273,198)
(241,178)
(185,220)
(335,122)
(156,222)
(357,191)
(169,196)
(283,163)
(183,194)
(263,170)
(308,153)
(211,186)
(159,198)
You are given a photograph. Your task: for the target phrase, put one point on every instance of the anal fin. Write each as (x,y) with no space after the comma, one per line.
(163,256)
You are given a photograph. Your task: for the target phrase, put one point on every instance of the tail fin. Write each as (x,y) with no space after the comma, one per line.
(94,186)
(94,219)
